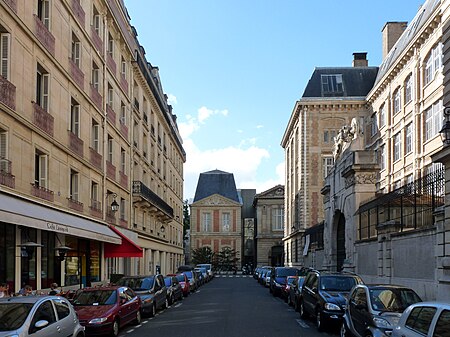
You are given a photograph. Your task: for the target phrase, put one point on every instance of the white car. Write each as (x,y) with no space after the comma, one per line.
(424,319)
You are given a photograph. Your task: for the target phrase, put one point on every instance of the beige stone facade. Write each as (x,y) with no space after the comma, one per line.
(83,124)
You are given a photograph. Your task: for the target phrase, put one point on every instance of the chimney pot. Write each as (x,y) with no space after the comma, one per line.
(360,59)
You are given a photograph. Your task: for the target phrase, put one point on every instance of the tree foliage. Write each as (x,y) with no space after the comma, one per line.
(186,217)
(202,255)
(226,259)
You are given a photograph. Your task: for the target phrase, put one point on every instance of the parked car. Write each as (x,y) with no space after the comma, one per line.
(105,310)
(295,292)
(174,290)
(193,281)
(151,289)
(278,277)
(373,310)
(204,272)
(424,319)
(324,296)
(287,288)
(39,316)
(266,278)
(208,267)
(184,283)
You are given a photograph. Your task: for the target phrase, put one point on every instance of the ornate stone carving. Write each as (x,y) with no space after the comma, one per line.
(345,136)
(361,178)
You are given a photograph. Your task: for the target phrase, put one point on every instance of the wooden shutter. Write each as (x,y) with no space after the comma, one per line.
(45,91)
(95,137)
(74,185)
(76,120)
(5,40)
(43,170)
(46,13)
(97,24)
(3,152)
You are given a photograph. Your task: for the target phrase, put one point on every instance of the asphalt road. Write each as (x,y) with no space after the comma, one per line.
(227,307)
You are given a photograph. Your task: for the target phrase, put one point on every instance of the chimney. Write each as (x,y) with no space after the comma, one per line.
(360,60)
(391,33)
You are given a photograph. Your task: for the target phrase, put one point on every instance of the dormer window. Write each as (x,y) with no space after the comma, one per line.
(332,85)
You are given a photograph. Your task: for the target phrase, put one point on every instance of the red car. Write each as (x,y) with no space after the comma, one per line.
(287,288)
(184,281)
(104,310)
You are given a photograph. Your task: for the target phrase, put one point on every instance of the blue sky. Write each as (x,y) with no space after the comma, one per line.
(233,70)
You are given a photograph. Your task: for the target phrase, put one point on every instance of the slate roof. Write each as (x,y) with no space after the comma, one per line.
(357,81)
(216,182)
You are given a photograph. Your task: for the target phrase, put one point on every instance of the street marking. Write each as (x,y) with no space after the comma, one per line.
(302,324)
(177,305)
(144,322)
(130,331)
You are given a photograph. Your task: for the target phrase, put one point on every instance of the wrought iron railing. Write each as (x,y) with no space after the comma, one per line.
(140,189)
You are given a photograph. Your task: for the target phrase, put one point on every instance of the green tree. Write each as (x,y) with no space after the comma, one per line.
(202,255)
(186,217)
(226,259)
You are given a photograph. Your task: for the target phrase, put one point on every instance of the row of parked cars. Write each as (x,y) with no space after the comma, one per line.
(343,300)
(100,310)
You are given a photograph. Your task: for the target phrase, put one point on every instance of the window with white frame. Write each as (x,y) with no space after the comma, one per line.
(75,118)
(433,63)
(4,162)
(433,120)
(123,67)
(374,125)
(277,218)
(382,157)
(42,87)
(206,222)
(110,96)
(327,165)
(76,50)
(382,115)
(5,57)
(123,161)
(40,169)
(123,209)
(397,101)
(408,138)
(95,136)
(110,45)
(110,149)
(332,84)
(408,89)
(74,185)
(95,80)
(123,113)
(96,21)
(94,195)
(43,12)
(397,146)
(226,221)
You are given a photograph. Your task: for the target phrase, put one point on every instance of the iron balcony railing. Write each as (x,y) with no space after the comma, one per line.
(140,189)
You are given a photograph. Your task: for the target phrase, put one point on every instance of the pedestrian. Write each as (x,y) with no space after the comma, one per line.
(26,291)
(4,290)
(54,289)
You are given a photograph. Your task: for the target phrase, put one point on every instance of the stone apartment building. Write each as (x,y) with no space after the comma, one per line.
(91,174)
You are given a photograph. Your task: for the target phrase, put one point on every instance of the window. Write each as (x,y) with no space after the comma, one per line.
(123,113)
(408,138)
(110,96)
(96,21)
(62,308)
(397,147)
(94,192)
(332,84)
(382,115)
(75,118)
(123,209)
(433,63)
(327,165)
(374,126)
(433,120)
(145,145)
(44,312)
(5,47)
(226,220)
(76,50)
(110,45)
(123,161)
(95,135)
(4,163)
(442,324)
(136,134)
(74,181)
(95,76)
(40,169)
(382,157)
(397,101)
(408,89)
(43,12)
(420,319)
(42,87)
(206,222)
(110,149)
(123,67)
(325,136)
(277,218)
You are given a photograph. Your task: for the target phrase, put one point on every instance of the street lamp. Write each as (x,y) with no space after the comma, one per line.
(62,250)
(445,131)
(114,204)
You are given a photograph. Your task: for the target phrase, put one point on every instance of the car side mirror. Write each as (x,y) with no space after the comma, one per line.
(314,289)
(41,324)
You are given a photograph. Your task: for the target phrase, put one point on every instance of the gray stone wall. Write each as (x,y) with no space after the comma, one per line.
(367,262)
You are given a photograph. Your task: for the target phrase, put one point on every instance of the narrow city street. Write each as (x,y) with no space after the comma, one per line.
(228,307)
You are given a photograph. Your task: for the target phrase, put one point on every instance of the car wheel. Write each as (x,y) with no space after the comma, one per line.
(303,313)
(344,331)
(319,320)
(115,328)
(153,310)
(138,319)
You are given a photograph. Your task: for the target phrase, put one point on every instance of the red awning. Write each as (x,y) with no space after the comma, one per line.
(127,249)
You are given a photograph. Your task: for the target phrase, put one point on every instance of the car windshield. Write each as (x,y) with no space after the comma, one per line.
(168,281)
(13,315)
(189,274)
(180,278)
(290,280)
(337,283)
(137,283)
(396,300)
(282,272)
(96,297)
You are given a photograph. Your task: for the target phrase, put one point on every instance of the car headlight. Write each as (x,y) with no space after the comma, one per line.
(331,306)
(381,322)
(98,320)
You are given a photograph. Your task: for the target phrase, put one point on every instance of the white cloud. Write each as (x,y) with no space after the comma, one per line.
(171,99)
(204,113)
(259,126)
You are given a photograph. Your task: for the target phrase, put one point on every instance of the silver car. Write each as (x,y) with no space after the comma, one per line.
(424,319)
(38,316)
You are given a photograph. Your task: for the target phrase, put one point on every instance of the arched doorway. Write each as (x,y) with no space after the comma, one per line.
(340,243)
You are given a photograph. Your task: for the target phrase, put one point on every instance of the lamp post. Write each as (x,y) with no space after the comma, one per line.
(114,204)
(445,131)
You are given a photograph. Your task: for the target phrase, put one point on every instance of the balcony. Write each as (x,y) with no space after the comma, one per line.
(110,114)
(76,144)
(76,74)
(6,177)
(110,170)
(75,204)
(11,4)
(96,208)
(7,93)
(78,11)
(95,158)
(42,119)
(123,179)
(111,64)
(44,35)
(42,192)
(97,41)
(96,97)
(145,196)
